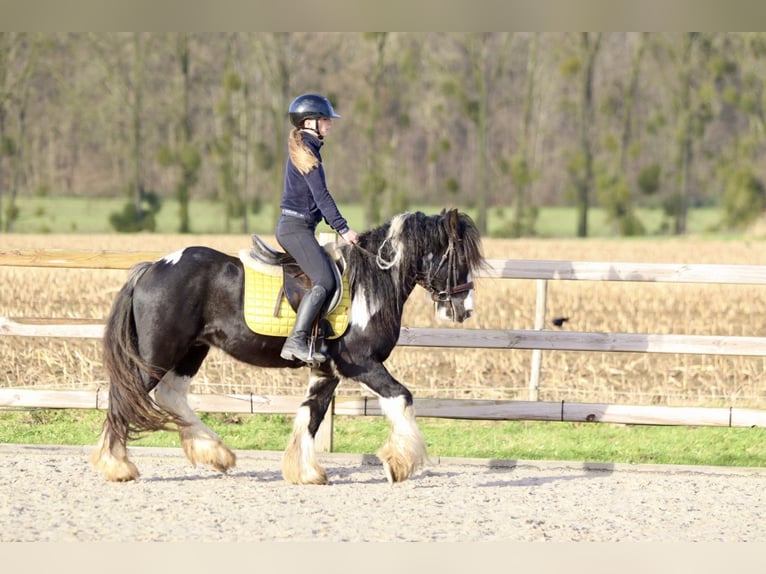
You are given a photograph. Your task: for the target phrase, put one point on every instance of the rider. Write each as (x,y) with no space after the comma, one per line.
(305,202)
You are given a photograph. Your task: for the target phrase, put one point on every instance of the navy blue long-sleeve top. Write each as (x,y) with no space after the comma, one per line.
(305,192)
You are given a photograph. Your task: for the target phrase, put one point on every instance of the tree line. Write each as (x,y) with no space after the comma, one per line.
(495,120)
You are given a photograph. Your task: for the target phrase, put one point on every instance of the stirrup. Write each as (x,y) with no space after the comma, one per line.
(295,351)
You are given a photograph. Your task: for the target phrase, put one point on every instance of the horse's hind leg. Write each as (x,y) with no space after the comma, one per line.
(299,463)
(128,398)
(110,457)
(200,443)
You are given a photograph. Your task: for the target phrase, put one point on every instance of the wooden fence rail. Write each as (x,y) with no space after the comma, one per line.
(537,339)
(474,409)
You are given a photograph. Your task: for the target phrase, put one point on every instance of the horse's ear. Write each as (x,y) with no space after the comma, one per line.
(452,222)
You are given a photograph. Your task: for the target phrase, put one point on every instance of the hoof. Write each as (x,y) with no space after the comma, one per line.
(113,469)
(211,453)
(397,469)
(297,474)
(401,458)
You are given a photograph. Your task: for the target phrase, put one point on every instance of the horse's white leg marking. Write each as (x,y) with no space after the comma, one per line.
(173,258)
(200,443)
(404,450)
(299,463)
(112,460)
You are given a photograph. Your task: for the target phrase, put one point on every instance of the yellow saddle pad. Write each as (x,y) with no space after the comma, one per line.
(263,294)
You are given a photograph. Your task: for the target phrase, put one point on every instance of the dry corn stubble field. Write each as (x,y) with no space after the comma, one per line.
(626,378)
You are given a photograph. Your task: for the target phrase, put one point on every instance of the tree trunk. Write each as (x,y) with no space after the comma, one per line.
(373,182)
(2,160)
(630,97)
(523,174)
(585,183)
(187,177)
(4,62)
(138,70)
(685,134)
(481,77)
(272,51)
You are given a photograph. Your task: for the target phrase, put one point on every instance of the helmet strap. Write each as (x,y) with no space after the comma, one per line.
(314,129)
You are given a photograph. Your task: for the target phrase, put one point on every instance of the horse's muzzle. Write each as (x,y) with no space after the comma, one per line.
(453,311)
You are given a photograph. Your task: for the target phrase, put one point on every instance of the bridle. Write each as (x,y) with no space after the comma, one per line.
(449,257)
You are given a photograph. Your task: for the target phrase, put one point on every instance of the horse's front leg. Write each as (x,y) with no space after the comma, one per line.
(404,451)
(299,463)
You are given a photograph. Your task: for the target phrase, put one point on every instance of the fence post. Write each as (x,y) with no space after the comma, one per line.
(537,354)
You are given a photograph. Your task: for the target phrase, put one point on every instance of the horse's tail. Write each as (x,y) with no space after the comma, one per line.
(131,410)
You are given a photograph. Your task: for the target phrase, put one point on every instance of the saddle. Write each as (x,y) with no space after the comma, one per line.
(275,286)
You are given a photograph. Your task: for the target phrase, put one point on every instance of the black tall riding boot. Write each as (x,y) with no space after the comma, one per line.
(296,346)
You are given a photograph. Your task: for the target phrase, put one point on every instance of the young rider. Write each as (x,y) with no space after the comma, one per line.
(305,202)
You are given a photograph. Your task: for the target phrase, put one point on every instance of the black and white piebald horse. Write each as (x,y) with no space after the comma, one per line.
(170,312)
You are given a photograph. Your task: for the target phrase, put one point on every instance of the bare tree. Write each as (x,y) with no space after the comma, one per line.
(273,53)
(123,59)
(521,168)
(581,68)
(614,189)
(182,153)
(18,63)
(486,56)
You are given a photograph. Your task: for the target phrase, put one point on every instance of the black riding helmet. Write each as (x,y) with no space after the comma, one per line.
(309,107)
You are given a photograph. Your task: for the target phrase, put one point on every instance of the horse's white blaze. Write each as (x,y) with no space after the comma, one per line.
(362,310)
(468,301)
(173,258)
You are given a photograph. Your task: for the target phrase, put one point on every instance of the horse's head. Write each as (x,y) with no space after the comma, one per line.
(447,274)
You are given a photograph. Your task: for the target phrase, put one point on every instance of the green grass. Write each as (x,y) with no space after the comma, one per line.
(91,215)
(446,438)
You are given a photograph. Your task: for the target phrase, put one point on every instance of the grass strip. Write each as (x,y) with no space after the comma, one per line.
(587,442)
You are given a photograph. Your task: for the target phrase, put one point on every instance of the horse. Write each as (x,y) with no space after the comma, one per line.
(169,313)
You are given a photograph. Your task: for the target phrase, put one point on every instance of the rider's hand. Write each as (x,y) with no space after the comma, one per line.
(351,236)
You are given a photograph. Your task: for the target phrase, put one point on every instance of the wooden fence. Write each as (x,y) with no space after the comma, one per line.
(536,339)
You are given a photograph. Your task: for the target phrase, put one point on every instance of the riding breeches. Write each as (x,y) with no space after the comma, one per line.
(297,237)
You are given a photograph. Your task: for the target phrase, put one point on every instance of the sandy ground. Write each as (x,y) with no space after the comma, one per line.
(50,493)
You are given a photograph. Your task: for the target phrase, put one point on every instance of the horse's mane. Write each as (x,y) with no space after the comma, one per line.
(385,262)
